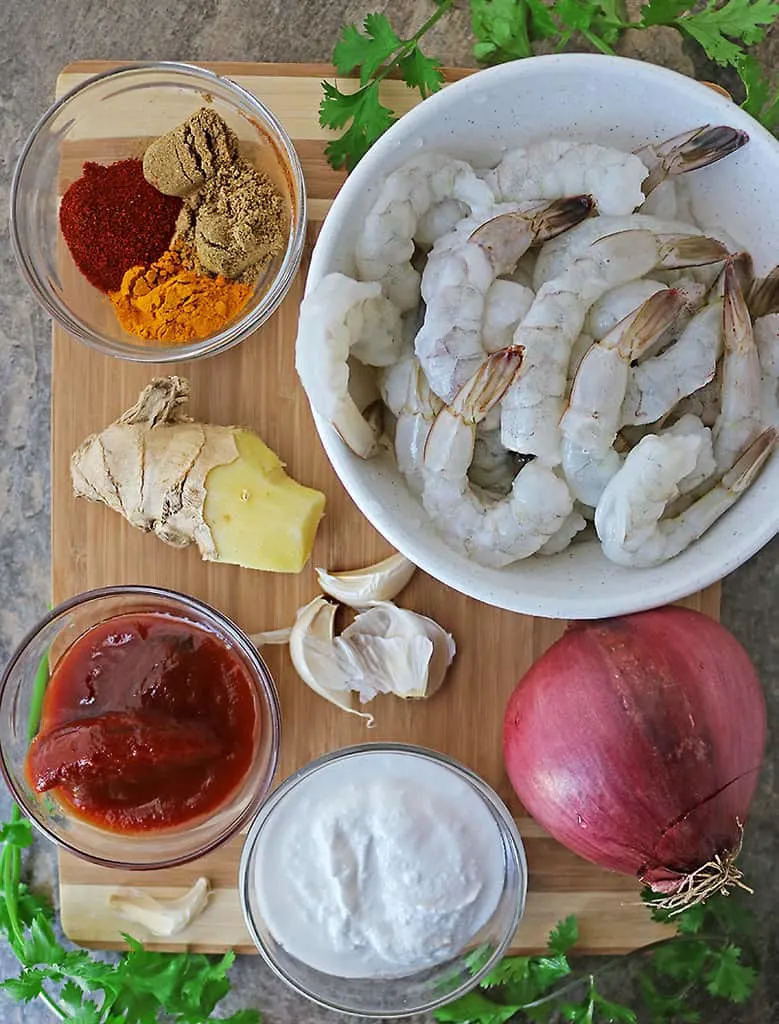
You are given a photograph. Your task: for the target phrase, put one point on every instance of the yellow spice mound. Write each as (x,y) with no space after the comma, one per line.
(167,302)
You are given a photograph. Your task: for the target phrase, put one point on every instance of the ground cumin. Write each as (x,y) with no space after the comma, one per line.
(168,302)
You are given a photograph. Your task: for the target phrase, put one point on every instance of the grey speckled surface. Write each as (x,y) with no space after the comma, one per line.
(37,39)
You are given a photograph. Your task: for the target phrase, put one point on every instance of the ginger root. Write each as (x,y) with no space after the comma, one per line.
(219,487)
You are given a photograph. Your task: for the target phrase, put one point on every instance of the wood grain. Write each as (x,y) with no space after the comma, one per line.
(255,384)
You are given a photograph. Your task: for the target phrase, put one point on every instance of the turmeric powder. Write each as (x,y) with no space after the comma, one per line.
(168,302)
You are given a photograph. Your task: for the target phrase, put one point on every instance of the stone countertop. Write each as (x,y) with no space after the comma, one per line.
(38,39)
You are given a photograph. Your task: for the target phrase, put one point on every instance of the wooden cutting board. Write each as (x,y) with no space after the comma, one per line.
(255,384)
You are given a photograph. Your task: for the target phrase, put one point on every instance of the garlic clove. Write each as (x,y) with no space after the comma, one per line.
(377,664)
(271,636)
(158,916)
(360,588)
(313,654)
(385,620)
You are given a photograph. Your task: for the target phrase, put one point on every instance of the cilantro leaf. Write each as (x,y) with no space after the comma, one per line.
(716,27)
(664,1009)
(367,50)
(564,935)
(681,960)
(421,72)
(27,986)
(615,1013)
(502,30)
(728,978)
(475,1008)
(369,120)
(662,12)
(16,833)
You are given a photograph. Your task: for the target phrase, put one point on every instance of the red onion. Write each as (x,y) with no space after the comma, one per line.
(637,743)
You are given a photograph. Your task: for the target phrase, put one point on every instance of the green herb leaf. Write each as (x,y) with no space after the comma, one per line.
(662,12)
(716,27)
(614,1013)
(27,986)
(475,1008)
(369,120)
(16,833)
(421,72)
(564,935)
(502,31)
(728,978)
(366,50)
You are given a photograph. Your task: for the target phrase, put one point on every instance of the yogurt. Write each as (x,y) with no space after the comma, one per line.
(378,865)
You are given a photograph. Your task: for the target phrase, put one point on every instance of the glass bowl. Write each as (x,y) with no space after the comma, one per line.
(21,691)
(114,116)
(399,995)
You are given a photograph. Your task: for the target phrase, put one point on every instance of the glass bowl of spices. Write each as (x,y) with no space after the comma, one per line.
(383,880)
(158,212)
(139,728)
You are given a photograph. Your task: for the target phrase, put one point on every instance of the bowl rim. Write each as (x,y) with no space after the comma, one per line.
(504,819)
(635,598)
(240,329)
(264,684)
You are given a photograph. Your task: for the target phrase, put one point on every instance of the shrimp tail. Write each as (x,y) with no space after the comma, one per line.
(763,297)
(678,251)
(689,151)
(506,236)
(480,393)
(746,468)
(735,312)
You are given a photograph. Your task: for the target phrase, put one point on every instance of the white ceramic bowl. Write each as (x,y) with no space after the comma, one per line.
(613,101)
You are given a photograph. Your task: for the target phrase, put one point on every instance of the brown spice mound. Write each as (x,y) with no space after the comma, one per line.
(235,223)
(183,159)
(169,302)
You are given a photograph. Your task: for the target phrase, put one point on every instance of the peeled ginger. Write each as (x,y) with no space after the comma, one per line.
(219,487)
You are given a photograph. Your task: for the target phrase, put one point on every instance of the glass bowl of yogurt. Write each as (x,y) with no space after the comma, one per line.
(383,880)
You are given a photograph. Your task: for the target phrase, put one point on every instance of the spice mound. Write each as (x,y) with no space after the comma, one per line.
(113,219)
(168,302)
(179,238)
(149,721)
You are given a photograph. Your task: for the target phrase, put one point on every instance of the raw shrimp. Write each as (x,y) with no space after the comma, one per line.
(407,395)
(657,384)
(579,349)
(766,331)
(492,467)
(556,254)
(607,312)
(560,540)
(557,167)
(385,243)
(449,346)
(590,423)
(533,405)
(705,464)
(439,220)
(628,518)
(703,403)
(739,420)
(499,532)
(699,147)
(338,318)
(662,202)
(505,305)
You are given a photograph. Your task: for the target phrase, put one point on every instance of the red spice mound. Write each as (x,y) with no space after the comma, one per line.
(113,219)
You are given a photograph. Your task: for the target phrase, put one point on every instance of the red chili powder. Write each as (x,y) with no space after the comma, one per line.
(113,219)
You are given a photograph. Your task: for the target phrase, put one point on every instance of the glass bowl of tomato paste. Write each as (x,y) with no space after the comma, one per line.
(139,727)
(160,259)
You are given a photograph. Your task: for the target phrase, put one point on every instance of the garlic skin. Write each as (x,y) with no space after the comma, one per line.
(158,916)
(271,636)
(312,651)
(361,588)
(392,650)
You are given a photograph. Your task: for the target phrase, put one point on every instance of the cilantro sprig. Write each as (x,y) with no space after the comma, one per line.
(373,54)
(704,957)
(508,30)
(141,987)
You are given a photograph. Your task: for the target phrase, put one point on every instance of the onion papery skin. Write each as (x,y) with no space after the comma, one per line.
(637,742)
